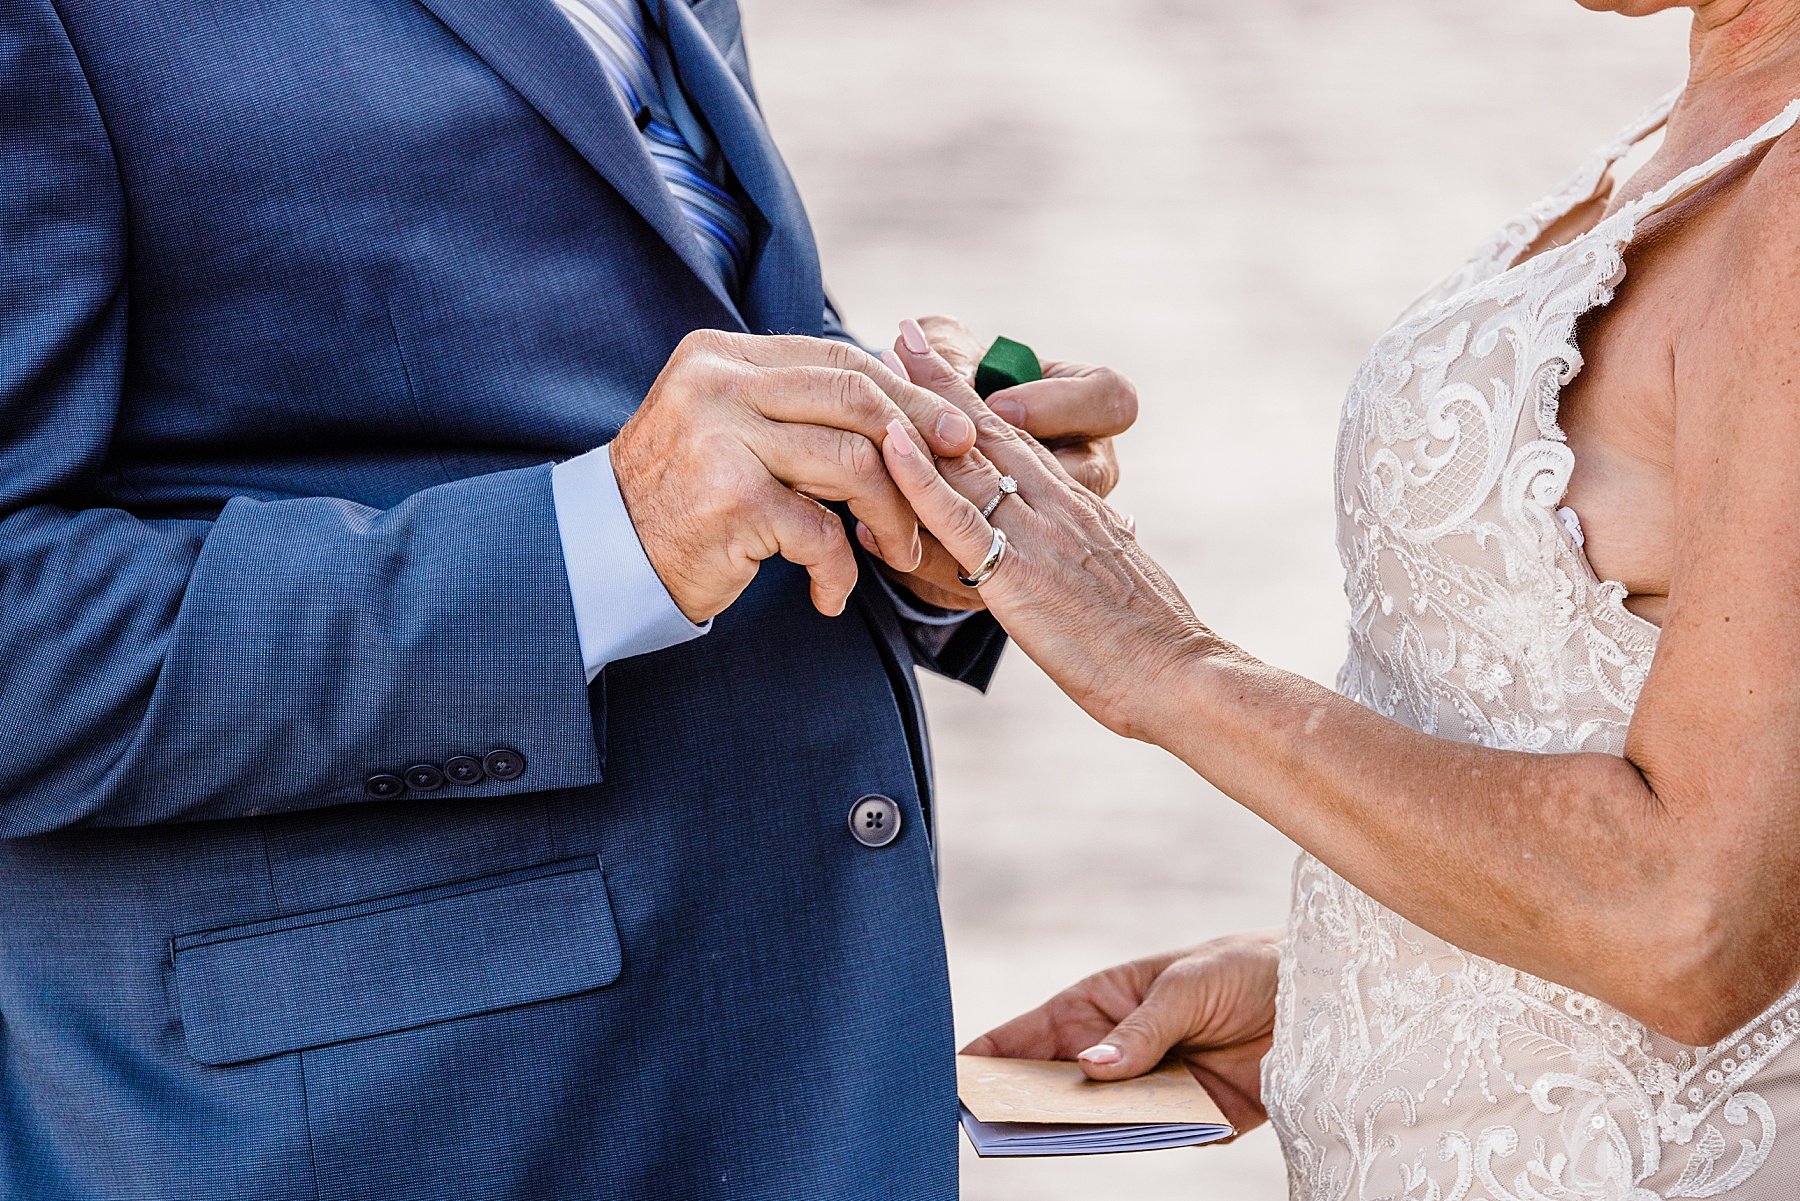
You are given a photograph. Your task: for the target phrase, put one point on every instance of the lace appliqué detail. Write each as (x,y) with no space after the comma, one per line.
(1402,1066)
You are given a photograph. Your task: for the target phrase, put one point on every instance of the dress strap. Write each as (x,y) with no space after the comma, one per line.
(1585,183)
(1697,176)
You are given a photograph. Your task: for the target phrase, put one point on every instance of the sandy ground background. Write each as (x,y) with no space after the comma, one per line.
(1225,201)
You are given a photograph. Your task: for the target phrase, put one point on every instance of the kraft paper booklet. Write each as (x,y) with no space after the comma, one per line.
(1043,1107)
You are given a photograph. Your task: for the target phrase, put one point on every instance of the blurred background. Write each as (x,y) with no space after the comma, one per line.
(1227,202)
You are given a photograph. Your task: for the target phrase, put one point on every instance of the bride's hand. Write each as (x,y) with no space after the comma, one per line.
(1074,587)
(1213,1006)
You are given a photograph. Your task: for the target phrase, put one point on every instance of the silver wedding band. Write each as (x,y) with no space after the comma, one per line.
(989,565)
(1008,487)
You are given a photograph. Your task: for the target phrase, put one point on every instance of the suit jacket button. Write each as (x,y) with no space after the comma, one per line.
(463,769)
(424,777)
(384,786)
(875,820)
(503,764)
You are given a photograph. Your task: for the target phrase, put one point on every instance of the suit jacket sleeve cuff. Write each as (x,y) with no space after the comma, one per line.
(970,654)
(964,647)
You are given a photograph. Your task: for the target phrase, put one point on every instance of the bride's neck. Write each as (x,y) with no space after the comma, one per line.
(1736,41)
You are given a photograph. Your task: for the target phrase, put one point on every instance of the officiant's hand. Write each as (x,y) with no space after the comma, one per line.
(741,437)
(1213,1006)
(1075,411)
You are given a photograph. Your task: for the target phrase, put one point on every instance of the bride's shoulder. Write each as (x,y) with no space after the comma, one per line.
(1738,341)
(1756,272)
(1767,192)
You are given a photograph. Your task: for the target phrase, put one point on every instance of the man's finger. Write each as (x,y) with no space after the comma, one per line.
(940,421)
(947,428)
(833,464)
(1091,402)
(862,402)
(1091,464)
(937,419)
(807,534)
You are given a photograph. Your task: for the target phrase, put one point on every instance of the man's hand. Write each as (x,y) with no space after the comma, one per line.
(1075,410)
(741,437)
(1214,1006)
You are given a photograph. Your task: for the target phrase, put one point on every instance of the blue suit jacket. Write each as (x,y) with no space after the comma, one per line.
(298,300)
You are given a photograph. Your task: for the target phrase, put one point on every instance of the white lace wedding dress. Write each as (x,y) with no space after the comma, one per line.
(1403,1067)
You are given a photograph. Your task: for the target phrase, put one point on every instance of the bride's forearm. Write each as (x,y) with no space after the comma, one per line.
(1565,865)
(1664,891)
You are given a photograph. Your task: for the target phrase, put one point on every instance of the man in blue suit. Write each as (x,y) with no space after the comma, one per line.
(386,812)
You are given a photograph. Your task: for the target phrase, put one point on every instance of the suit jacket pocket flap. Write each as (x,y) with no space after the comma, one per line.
(397,963)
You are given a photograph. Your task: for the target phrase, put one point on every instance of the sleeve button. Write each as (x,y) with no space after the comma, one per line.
(463,769)
(424,777)
(503,764)
(384,786)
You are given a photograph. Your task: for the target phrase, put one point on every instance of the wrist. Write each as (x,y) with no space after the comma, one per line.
(622,607)
(1165,705)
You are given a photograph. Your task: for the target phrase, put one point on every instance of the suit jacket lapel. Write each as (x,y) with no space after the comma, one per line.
(725,26)
(531,45)
(782,292)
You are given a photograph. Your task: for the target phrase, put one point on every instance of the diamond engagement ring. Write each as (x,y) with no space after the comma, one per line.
(989,565)
(1008,486)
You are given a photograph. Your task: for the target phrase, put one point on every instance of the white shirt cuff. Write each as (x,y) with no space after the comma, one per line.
(915,610)
(621,606)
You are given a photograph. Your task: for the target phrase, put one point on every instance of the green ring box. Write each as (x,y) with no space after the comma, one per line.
(1007,364)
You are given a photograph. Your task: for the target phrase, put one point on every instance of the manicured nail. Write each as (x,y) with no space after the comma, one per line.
(1101,1054)
(892,362)
(953,429)
(914,337)
(899,441)
(1009,411)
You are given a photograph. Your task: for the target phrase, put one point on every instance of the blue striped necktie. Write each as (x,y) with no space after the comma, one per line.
(615,31)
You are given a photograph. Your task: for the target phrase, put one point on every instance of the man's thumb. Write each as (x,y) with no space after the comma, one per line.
(1135,1045)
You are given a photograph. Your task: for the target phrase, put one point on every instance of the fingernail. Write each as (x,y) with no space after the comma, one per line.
(914,337)
(1009,411)
(864,536)
(892,362)
(954,429)
(1102,1054)
(898,439)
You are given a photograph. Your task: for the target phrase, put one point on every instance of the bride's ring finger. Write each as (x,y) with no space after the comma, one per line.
(978,480)
(1005,486)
